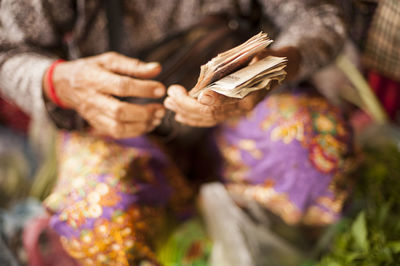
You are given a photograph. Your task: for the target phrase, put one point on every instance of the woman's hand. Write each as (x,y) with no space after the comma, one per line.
(87,86)
(210,108)
(291,53)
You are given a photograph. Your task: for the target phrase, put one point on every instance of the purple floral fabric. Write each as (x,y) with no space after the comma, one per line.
(289,155)
(111,198)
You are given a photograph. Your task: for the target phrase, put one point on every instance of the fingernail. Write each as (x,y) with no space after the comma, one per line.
(169,103)
(176,91)
(156,122)
(159,113)
(206,99)
(152,65)
(171,91)
(159,92)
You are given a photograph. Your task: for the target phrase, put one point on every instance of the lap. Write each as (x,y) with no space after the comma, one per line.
(111,197)
(290,156)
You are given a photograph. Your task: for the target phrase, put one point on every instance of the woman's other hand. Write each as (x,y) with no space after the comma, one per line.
(291,53)
(88,85)
(210,108)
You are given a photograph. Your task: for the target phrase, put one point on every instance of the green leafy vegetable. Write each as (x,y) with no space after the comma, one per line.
(370,232)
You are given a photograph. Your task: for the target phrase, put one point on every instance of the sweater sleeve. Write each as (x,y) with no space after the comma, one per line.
(30,40)
(314,27)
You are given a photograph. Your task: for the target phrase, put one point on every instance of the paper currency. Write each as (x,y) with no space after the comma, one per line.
(229,73)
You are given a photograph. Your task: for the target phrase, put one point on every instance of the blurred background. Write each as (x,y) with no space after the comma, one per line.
(363,81)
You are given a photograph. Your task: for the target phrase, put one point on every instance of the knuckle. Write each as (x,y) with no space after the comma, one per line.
(137,130)
(135,62)
(120,89)
(209,111)
(215,112)
(108,58)
(110,55)
(119,112)
(83,108)
(246,105)
(118,130)
(147,112)
(143,128)
(220,99)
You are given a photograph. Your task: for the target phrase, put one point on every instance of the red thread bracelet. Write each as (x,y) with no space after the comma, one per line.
(52,92)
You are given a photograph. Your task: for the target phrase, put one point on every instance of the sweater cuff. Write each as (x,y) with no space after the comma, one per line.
(21,81)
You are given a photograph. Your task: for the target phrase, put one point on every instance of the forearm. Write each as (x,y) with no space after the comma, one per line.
(21,77)
(30,31)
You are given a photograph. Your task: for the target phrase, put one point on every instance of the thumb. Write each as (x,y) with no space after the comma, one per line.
(210,97)
(124,65)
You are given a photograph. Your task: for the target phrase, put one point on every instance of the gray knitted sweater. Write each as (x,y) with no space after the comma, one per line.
(33,32)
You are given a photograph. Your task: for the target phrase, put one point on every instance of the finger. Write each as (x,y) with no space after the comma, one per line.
(181,103)
(210,97)
(175,90)
(96,132)
(123,86)
(172,105)
(203,122)
(187,104)
(104,125)
(222,102)
(194,123)
(214,113)
(122,111)
(124,65)
(264,53)
(274,84)
(251,100)
(206,121)
(198,120)
(254,60)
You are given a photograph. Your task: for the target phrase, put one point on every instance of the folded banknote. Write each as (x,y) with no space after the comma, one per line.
(230,73)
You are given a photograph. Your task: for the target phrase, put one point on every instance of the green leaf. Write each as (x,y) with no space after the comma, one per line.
(359,232)
(329,261)
(308,263)
(383,256)
(334,264)
(383,213)
(352,256)
(394,246)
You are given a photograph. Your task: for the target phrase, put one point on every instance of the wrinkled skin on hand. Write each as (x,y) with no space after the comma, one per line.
(88,85)
(211,108)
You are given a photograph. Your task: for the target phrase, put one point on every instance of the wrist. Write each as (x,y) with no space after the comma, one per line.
(49,86)
(294,58)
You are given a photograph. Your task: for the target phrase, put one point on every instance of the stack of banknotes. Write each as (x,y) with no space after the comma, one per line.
(235,74)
